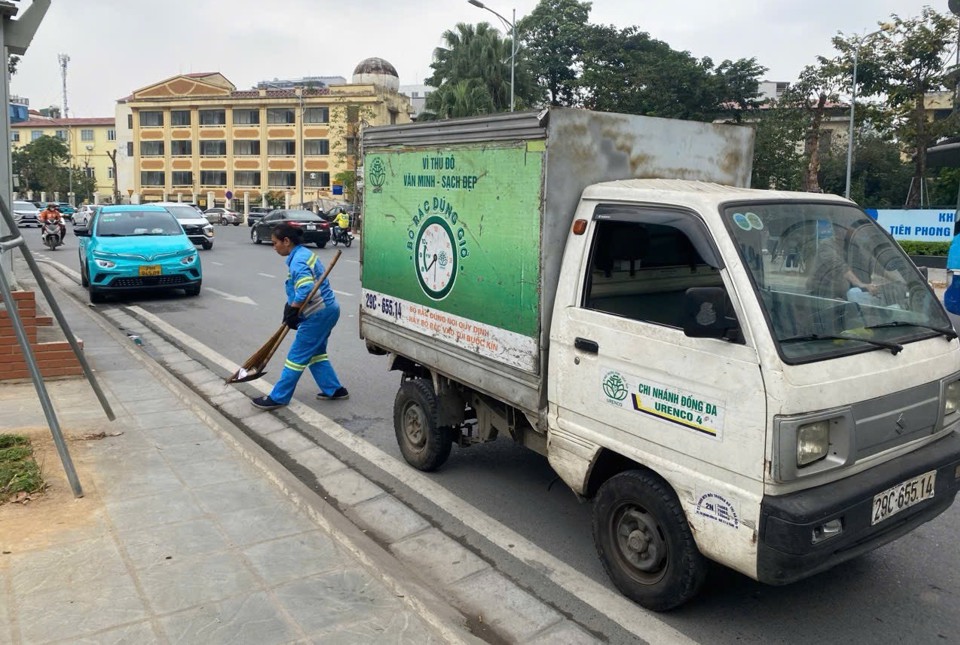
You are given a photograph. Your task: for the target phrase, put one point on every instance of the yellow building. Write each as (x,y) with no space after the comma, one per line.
(195,137)
(88,140)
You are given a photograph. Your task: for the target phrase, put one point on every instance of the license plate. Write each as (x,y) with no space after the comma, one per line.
(150,269)
(311,227)
(903,496)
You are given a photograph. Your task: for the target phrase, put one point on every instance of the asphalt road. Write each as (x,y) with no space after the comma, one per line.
(908,591)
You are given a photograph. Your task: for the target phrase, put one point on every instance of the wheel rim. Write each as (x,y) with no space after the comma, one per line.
(414,423)
(639,544)
(256,236)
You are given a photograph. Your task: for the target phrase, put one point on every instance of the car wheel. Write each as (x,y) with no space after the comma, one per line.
(255,236)
(206,245)
(644,541)
(236,223)
(193,290)
(424,444)
(320,245)
(96,296)
(84,280)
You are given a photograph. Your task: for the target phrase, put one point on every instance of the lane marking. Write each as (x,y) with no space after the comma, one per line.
(217,264)
(343,293)
(642,623)
(245,300)
(267,275)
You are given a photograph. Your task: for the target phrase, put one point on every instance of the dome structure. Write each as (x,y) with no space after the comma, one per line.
(377,71)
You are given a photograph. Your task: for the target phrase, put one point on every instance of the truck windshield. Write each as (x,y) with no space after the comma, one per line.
(831,281)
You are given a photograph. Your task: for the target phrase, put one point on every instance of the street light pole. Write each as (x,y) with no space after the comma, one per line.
(513,43)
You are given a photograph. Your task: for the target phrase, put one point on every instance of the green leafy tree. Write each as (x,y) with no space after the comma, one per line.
(12,63)
(42,165)
(554,36)
(275,199)
(777,158)
(464,98)
(901,64)
(879,177)
(738,86)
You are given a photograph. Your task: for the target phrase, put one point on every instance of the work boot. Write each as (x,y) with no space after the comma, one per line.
(339,395)
(266,403)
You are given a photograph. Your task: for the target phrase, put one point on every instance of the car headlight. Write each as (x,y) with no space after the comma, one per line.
(188,259)
(104,264)
(951,398)
(813,441)
(208,230)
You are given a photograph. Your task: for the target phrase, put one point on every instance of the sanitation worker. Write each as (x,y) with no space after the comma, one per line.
(312,321)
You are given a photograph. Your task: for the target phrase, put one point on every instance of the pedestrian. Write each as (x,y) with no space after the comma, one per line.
(313,322)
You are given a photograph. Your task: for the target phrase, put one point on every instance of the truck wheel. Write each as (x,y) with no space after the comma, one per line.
(644,541)
(424,445)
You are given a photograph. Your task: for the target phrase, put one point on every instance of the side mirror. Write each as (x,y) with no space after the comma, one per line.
(81,231)
(708,314)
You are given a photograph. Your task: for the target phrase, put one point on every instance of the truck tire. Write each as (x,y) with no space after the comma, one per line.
(423,444)
(644,541)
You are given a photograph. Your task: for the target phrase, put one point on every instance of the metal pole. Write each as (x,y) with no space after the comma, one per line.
(853,104)
(513,54)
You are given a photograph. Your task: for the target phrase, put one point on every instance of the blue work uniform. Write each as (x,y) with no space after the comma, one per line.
(317,319)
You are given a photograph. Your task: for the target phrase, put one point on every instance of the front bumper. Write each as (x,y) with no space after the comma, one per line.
(786,552)
(125,278)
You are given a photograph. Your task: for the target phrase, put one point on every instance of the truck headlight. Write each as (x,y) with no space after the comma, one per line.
(813,441)
(951,398)
(208,230)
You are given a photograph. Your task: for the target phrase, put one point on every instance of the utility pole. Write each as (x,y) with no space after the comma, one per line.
(63,60)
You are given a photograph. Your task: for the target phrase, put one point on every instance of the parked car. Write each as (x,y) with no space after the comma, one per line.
(257,213)
(26,214)
(222,216)
(84,214)
(66,210)
(316,230)
(194,224)
(136,247)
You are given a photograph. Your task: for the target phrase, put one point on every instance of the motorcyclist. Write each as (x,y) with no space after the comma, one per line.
(343,223)
(52,214)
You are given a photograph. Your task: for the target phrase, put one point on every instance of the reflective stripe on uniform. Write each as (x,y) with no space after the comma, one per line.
(319,358)
(307,279)
(296,367)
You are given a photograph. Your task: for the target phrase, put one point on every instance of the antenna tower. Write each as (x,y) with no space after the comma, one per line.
(64,59)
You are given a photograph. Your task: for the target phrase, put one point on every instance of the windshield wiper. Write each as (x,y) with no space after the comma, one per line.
(949,333)
(893,347)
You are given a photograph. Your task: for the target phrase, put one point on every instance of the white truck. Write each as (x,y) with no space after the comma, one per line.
(754,377)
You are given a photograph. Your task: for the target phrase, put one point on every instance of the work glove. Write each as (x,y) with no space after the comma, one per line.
(291,316)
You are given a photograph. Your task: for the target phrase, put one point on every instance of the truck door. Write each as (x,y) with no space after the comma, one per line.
(625,376)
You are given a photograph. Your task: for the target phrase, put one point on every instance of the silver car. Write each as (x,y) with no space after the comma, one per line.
(26,214)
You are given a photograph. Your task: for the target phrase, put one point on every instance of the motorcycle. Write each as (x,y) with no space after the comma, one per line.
(52,234)
(341,236)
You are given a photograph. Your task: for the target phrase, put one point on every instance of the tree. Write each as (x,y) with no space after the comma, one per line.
(738,86)
(902,63)
(465,98)
(879,177)
(112,155)
(42,165)
(554,34)
(777,160)
(12,62)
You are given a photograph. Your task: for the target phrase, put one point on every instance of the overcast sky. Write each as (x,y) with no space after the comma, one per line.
(117,46)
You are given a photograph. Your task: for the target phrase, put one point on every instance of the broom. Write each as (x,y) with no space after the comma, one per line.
(255,366)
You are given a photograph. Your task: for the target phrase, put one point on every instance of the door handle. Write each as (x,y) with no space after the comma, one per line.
(586,345)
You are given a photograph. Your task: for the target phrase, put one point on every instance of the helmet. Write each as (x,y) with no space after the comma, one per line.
(55,207)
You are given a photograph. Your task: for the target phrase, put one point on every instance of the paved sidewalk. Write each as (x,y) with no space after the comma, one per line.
(188,532)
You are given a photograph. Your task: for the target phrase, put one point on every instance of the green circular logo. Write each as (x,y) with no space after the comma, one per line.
(614,387)
(435,258)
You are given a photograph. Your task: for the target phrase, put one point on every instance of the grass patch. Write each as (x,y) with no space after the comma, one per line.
(19,472)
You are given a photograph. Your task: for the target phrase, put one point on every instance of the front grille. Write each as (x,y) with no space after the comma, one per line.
(148,281)
(193,230)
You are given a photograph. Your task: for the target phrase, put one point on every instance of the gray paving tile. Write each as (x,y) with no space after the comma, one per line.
(318,461)
(212,387)
(516,614)
(190,432)
(6,627)
(115,482)
(158,404)
(67,613)
(387,518)
(253,525)
(183,583)
(134,634)
(265,424)
(76,565)
(339,598)
(349,487)
(131,515)
(565,632)
(237,495)
(252,619)
(238,408)
(400,628)
(175,541)
(214,471)
(188,453)
(438,557)
(176,417)
(298,556)
(290,441)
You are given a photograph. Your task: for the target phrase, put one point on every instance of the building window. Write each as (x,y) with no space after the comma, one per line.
(111,135)
(316,179)
(151,178)
(282,148)
(14,136)
(62,135)
(281,115)
(35,134)
(181,178)
(213,177)
(130,121)
(213,148)
(316,115)
(88,172)
(109,172)
(151,119)
(246,148)
(86,135)
(246,117)
(151,148)
(180,118)
(246,178)
(129,148)
(181,148)
(213,117)
(282,179)
(316,147)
